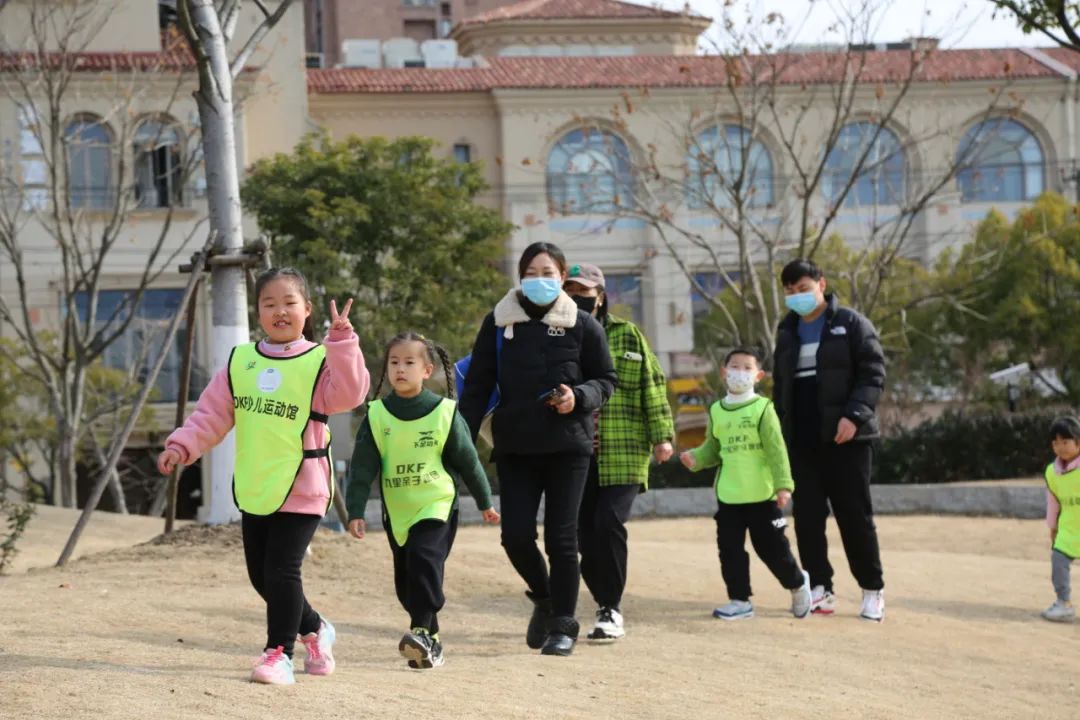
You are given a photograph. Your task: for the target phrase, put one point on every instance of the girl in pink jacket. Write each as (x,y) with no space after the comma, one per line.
(277,394)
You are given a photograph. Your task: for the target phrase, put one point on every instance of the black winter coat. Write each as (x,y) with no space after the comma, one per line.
(850,372)
(538,358)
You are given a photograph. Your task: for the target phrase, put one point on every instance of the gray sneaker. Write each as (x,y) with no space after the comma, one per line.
(801,598)
(1060,612)
(734,610)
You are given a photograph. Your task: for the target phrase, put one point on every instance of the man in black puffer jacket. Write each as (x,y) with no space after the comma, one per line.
(829,373)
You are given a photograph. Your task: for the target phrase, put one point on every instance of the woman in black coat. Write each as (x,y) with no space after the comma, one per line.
(553,371)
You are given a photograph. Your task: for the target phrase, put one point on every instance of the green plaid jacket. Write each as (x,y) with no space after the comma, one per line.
(637,417)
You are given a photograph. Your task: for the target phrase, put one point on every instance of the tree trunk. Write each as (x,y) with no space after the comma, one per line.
(181,403)
(66,462)
(228,288)
(116,489)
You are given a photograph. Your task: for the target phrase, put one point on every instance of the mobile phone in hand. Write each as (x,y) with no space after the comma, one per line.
(551,397)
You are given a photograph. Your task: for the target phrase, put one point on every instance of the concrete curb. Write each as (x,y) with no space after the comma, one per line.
(1009,499)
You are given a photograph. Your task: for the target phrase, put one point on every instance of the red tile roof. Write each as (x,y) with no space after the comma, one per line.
(175,56)
(570,10)
(659,71)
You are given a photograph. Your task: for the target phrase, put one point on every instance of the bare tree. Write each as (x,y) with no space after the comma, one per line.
(210,27)
(66,207)
(789,143)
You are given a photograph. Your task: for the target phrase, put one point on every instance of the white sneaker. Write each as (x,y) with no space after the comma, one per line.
(1060,612)
(734,610)
(608,627)
(873,605)
(822,601)
(802,598)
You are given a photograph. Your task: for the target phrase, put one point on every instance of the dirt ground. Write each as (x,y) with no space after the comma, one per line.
(169,631)
(50,527)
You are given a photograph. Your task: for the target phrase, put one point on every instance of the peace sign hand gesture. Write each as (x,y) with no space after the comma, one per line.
(340,321)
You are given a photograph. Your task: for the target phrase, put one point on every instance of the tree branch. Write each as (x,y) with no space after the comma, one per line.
(257,36)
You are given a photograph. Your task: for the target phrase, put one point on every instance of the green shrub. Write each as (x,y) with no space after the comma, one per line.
(958,447)
(15,516)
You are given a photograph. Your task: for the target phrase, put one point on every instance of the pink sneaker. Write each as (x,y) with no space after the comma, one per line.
(273,668)
(320,656)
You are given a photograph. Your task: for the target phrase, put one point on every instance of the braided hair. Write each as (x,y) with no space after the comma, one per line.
(436,354)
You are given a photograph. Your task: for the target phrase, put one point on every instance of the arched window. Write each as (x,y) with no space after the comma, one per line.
(158,164)
(89,166)
(589,171)
(715,169)
(1001,161)
(880,179)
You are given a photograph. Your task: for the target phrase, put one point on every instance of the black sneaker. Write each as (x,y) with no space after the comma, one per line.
(421,649)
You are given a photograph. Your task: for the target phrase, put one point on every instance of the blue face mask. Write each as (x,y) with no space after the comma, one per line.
(802,303)
(541,291)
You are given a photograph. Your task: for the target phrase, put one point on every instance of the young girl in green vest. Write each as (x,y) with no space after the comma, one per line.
(277,394)
(419,444)
(752,487)
(1063,513)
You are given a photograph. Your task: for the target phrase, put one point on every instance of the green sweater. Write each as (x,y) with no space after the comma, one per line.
(746,441)
(459,454)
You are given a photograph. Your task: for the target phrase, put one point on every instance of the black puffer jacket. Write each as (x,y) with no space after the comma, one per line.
(850,372)
(567,347)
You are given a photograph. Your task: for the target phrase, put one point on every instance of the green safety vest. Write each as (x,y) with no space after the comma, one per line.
(1066,488)
(272,407)
(415,484)
(744,475)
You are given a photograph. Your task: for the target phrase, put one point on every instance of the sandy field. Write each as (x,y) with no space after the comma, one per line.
(169,631)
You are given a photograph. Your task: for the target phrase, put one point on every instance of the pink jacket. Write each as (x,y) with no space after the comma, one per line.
(342,386)
(1053,507)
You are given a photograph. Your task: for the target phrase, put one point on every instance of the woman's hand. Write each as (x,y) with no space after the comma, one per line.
(357,528)
(566,402)
(491,516)
(663,452)
(340,322)
(687,460)
(167,461)
(783,497)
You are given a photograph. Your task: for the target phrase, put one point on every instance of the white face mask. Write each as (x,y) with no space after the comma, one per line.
(740,381)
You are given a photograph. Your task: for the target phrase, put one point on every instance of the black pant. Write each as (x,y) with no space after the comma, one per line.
(840,476)
(602,537)
(766,524)
(560,478)
(274,547)
(419,566)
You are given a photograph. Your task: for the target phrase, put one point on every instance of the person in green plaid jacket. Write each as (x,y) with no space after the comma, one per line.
(634,426)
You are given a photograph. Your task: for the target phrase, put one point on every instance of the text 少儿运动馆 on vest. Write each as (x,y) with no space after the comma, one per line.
(415,484)
(1066,489)
(744,475)
(272,406)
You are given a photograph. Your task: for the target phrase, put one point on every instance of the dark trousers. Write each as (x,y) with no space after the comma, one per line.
(419,566)
(836,476)
(602,537)
(560,479)
(766,524)
(274,547)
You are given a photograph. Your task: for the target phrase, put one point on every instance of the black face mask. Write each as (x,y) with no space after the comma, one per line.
(585,304)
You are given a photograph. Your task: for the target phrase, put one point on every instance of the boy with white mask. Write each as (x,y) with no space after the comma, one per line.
(752,487)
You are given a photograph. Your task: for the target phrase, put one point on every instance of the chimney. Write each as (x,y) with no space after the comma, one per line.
(925,44)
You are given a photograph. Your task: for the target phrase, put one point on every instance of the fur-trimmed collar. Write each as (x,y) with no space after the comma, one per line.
(509,312)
